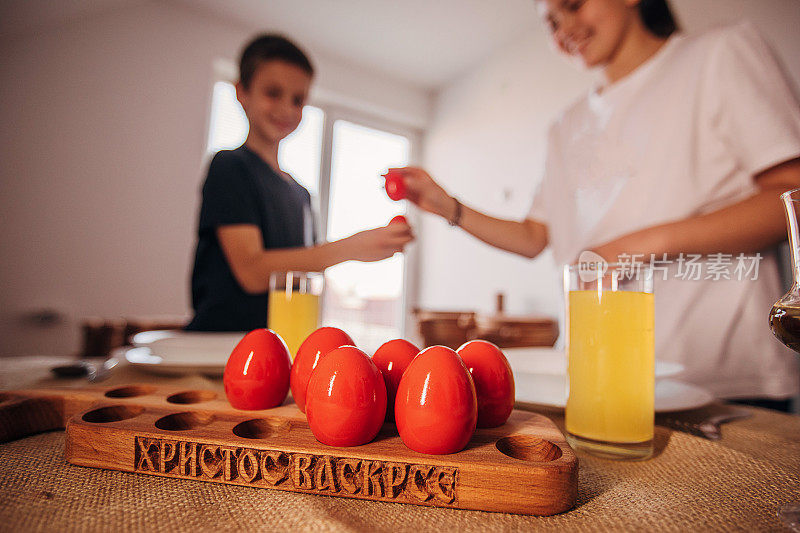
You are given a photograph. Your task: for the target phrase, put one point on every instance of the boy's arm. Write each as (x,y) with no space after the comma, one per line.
(251,264)
(744,227)
(527,237)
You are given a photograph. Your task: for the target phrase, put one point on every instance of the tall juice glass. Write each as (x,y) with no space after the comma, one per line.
(293,311)
(611,364)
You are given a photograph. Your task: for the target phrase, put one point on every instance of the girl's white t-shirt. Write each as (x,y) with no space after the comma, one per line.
(681,136)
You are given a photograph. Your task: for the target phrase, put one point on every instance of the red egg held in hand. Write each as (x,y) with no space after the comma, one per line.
(395,186)
(346,401)
(494,381)
(257,372)
(316,346)
(392,359)
(435,408)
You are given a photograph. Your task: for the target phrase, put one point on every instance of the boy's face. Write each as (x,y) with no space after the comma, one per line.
(274,100)
(592,30)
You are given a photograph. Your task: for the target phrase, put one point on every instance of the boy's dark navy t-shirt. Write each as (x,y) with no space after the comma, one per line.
(241,188)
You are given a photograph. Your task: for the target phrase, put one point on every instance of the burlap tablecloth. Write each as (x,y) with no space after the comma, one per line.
(692,484)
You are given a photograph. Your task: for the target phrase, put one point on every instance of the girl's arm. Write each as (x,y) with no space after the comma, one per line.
(526,237)
(251,264)
(744,227)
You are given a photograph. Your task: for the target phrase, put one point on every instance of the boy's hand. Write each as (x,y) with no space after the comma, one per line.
(425,193)
(376,244)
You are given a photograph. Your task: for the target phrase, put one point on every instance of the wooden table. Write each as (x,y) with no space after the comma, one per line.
(736,483)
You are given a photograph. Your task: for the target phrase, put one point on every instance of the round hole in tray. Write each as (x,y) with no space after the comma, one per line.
(192,396)
(528,448)
(261,428)
(183,421)
(112,413)
(130,391)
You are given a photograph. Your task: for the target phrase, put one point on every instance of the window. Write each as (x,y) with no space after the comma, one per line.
(300,153)
(228,126)
(364,299)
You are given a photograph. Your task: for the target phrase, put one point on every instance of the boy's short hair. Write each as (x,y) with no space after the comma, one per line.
(267,47)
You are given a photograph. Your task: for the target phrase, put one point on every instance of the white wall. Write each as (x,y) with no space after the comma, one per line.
(103,126)
(485,145)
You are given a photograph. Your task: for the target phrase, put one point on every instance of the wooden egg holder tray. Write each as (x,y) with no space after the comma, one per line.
(523,467)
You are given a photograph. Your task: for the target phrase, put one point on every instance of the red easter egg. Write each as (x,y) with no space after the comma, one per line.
(346,401)
(257,372)
(395,186)
(435,409)
(494,381)
(316,346)
(392,359)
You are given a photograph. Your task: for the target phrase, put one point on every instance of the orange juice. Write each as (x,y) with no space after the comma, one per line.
(293,316)
(611,366)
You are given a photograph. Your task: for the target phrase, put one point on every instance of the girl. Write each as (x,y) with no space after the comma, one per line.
(683,148)
(255,218)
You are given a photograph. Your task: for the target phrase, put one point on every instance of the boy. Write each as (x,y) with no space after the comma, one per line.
(255,218)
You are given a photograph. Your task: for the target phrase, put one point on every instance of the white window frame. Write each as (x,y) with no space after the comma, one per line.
(334,112)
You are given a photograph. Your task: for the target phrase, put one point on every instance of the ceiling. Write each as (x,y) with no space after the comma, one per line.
(425,43)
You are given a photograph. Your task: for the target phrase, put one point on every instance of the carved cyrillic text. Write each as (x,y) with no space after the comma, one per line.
(344,476)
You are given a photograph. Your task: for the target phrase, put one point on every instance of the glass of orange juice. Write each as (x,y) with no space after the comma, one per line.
(293,311)
(610,356)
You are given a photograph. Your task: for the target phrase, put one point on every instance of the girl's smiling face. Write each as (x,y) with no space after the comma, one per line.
(274,100)
(593,30)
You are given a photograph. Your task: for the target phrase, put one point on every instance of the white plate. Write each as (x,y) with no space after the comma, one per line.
(551,361)
(551,389)
(188,347)
(143,358)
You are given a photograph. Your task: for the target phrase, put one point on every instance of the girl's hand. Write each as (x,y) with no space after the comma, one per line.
(376,244)
(425,193)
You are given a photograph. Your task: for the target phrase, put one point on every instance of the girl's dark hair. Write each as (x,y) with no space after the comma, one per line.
(267,47)
(657,17)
